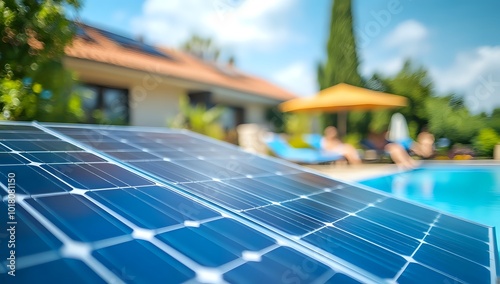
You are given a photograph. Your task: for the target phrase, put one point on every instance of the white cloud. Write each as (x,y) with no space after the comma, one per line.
(406,34)
(475,74)
(408,39)
(230,22)
(299,78)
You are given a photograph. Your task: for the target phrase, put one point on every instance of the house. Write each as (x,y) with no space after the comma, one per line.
(134,83)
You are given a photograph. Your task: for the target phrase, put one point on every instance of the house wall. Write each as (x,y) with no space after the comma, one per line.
(255,113)
(154,107)
(154,99)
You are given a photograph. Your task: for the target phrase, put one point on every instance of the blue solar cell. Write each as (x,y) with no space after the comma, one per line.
(33,180)
(473,230)
(217,242)
(140,262)
(30,236)
(25,136)
(363,254)
(189,209)
(321,212)
(316,180)
(416,274)
(261,189)
(134,209)
(396,222)
(22,145)
(226,195)
(133,156)
(360,194)
(112,146)
(57,271)
(281,265)
(59,157)
(289,221)
(289,184)
(338,201)
(173,155)
(79,218)
(170,172)
(142,209)
(460,244)
(208,169)
(117,174)
(3,148)
(93,176)
(19,128)
(424,215)
(240,164)
(12,159)
(379,235)
(341,278)
(448,263)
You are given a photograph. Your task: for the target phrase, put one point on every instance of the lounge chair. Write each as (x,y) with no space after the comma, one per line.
(313,140)
(283,150)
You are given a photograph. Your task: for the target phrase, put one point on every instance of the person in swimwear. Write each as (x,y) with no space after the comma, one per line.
(331,143)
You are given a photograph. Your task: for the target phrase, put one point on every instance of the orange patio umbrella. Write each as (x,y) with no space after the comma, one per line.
(344,97)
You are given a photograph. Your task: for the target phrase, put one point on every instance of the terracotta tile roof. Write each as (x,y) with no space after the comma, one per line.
(94,44)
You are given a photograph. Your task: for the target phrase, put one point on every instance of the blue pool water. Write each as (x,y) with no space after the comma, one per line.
(471,192)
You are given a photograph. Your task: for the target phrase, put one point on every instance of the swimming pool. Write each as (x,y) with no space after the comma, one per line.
(471,192)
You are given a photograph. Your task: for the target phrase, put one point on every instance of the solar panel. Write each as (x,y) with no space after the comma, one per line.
(198,209)
(133,44)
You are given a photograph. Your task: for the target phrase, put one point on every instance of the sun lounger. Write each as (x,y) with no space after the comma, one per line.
(282,149)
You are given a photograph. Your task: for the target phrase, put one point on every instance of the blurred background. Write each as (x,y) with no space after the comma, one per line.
(212,65)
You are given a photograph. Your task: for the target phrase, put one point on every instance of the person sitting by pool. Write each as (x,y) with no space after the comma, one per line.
(398,150)
(424,146)
(400,156)
(331,143)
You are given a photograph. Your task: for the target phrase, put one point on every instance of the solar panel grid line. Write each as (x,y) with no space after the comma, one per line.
(490,229)
(416,249)
(330,224)
(67,241)
(218,176)
(343,266)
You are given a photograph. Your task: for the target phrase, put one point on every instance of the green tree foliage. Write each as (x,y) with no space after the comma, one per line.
(205,48)
(493,120)
(33,84)
(277,119)
(199,119)
(342,61)
(485,142)
(415,84)
(452,121)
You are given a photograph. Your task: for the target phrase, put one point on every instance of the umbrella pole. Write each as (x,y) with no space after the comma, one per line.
(342,123)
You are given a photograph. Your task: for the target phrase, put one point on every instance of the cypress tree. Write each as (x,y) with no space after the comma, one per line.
(342,60)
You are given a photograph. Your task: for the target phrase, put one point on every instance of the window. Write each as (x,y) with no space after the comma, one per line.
(232,117)
(104,104)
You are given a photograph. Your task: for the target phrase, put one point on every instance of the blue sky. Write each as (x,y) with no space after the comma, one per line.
(458,41)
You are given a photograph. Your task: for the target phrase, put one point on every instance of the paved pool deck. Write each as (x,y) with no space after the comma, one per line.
(355,173)
(366,171)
